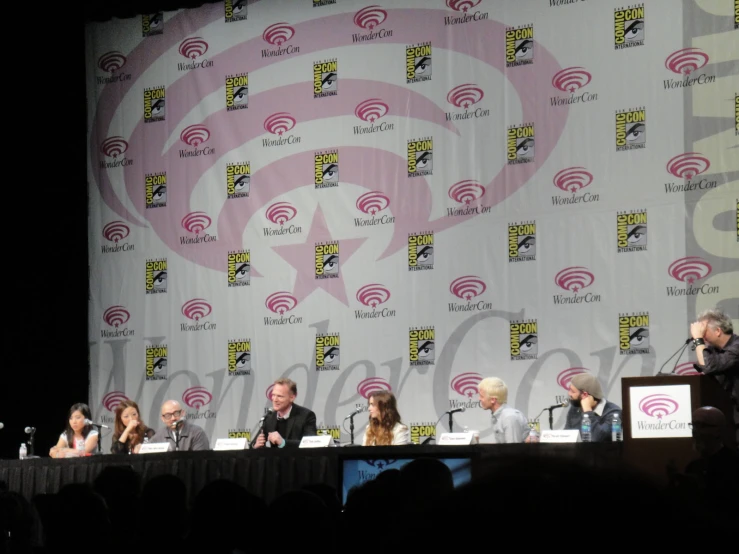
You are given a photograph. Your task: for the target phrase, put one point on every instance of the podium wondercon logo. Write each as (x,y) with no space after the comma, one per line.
(116,316)
(658,405)
(281,302)
(686,368)
(467,287)
(373,295)
(196,309)
(574,279)
(371,110)
(368,387)
(571,79)
(573,179)
(278,34)
(197,397)
(194,222)
(372,202)
(465,95)
(688,165)
(565,377)
(111,61)
(687,60)
(281,212)
(115,231)
(466,384)
(689,269)
(466,192)
(194,135)
(113,147)
(370,17)
(279,123)
(113,399)
(462,5)
(193,47)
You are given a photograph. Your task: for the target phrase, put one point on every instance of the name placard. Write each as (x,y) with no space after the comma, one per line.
(231,444)
(564,435)
(319,441)
(154,447)
(454,439)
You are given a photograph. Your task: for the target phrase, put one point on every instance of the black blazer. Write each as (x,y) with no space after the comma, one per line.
(301,423)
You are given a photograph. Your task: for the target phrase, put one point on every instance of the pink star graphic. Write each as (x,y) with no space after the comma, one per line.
(302,258)
(691,280)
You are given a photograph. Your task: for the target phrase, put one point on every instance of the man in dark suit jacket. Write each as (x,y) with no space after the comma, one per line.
(288,423)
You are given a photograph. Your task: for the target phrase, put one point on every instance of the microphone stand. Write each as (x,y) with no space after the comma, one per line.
(261,426)
(451,421)
(100,436)
(351,430)
(680,350)
(30,443)
(551,418)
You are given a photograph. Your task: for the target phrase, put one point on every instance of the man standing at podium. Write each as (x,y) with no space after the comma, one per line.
(717,349)
(586,396)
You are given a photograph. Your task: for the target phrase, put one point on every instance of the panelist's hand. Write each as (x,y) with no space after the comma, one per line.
(261,441)
(587,403)
(275,438)
(132,425)
(698,329)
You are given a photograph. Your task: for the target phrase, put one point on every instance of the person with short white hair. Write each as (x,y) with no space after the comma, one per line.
(509,424)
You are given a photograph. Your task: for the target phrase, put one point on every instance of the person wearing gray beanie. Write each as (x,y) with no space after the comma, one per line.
(586,396)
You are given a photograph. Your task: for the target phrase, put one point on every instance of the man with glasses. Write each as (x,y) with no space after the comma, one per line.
(178,432)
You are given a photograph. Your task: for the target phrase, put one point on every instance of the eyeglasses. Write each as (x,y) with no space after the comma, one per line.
(171,415)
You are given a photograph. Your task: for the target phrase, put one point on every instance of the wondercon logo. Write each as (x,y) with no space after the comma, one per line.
(116,315)
(194,135)
(687,60)
(113,147)
(279,123)
(112,399)
(573,179)
(686,368)
(571,79)
(196,309)
(658,405)
(281,212)
(281,302)
(462,5)
(574,279)
(690,269)
(465,95)
(370,17)
(688,165)
(368,387)
(194,222)
(278,34)
(268,392)
(111,61)
(193,47)
(115,231)
(466,192)
(564,377)
(373,295)
(372,202)
(371,110)
(197,397)
(467,287)
(466,384)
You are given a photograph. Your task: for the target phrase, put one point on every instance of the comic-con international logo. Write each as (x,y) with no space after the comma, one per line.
(152,24)
(326,260)
(575,279)
(420,157)
(280,214)
(736,14)
(524,339)
(155,280)
(465,386)
(116,317)
(234,10)
(198,397)
(372,204)
(238,180)
(466,7)
(519,45)
(239,357)
(421,341)
(466,194)
(631,129)
(280,124)
(154,104)
(238,268)
(418,63)
(278,35)
(633,333)
(327,352)
(688,167)
(571,181)
(420,251)
(115,148)
(466,97)
(520,144)
(194,49)
(686,63)
(239,433)
(282,303)
(631,231)
(369,19)
(468,288)
(690,271)
(333,431)
(373,296)
(156,362)
(116,232)
(196,223)
(194,136)
(155,190)
(237,92)
(326,169)
(628,26)
(571,80)
(325,78)
(371,111)
(422,431)
(522,241)
(111,63)
(319,3)
(196,310)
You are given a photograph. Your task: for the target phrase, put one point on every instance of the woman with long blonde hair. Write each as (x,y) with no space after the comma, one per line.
(385,427)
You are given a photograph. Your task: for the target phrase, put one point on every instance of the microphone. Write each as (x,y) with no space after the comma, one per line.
(28,430)
(455,410)
(678,353)
(89,422)
(269,411)
(355,412)
(562,405)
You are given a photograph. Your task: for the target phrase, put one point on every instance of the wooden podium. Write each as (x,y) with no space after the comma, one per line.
(652,455)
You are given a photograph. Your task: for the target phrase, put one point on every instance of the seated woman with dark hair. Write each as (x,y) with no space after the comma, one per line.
(129,432)
(78,439)
(384,426)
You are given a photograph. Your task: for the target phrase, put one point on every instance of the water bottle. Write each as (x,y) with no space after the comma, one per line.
(22,452)
(533,432)
(80,447)
(616,429)
(585,428)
